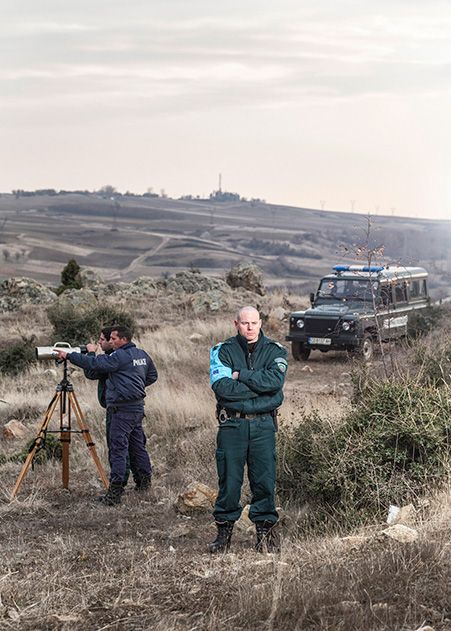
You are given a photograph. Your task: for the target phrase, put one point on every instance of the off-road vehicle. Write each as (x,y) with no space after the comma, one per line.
(356,304)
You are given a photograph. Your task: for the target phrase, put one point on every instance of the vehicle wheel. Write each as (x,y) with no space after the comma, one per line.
(367,348)
(299,352)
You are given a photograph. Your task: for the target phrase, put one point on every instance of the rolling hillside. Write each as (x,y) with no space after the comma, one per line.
(128,237)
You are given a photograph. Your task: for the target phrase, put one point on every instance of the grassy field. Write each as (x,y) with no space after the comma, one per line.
(69,563)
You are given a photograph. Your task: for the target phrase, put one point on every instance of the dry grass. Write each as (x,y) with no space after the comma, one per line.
(68,563)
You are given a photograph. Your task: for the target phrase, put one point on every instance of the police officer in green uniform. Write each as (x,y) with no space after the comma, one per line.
(247,374)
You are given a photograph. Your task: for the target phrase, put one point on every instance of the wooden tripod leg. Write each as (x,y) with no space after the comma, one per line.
(37,443)
(65,436)
(87,436)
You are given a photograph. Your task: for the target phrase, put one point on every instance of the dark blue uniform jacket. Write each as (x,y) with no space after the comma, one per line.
(129,370)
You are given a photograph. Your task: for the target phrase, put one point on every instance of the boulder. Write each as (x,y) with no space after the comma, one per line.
(246,275)
(14,429)
(192,282)
(208,301)
(16,293)
(401,533)
(197,497)
(143,286)
(78,298)
(90,279)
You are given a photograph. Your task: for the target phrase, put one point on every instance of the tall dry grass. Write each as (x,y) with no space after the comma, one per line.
(67,563)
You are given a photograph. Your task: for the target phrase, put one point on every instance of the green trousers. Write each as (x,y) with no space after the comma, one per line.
(108,425)
(252,442)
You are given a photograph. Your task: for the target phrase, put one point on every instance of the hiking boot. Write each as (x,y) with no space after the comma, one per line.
(267,538)
(143,484)
(113,496)
(222,541)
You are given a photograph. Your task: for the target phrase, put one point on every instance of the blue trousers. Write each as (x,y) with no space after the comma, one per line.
(250,442)
(127,439)
(109,413)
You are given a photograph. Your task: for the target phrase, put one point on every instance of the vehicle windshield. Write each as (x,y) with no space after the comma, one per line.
(345,289)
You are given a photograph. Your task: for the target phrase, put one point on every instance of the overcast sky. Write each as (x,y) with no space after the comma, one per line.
(337,104)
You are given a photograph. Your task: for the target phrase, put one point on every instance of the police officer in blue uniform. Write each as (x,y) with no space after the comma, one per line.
(129,371)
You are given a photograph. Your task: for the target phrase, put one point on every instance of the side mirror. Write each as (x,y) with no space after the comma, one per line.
(312,298)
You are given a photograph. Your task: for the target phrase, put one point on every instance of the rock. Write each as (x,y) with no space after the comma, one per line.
(306,369)
(405,515)
(90,279)
(246,275)
(14,429)
(208,301)
(143,286)
(192,282)
(197,497)
(425,628)
(195,337)
(78,298)
(244,523)
(401,533)
(16,293)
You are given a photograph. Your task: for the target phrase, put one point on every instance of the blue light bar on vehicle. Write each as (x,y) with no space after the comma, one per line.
(358,268)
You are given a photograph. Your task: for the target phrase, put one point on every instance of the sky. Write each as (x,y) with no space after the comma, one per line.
(342,105)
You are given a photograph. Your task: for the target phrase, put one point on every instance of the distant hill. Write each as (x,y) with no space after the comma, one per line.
(129,236)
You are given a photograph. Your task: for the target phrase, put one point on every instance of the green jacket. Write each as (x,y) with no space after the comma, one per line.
(262,374)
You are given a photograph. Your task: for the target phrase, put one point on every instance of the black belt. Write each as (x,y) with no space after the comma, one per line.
(224,414)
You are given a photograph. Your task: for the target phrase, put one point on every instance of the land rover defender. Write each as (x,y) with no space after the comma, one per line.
(355,305)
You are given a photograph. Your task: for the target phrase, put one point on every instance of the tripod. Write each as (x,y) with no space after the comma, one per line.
(67,403)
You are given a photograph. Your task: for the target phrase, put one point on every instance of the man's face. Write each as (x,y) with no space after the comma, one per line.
(117,341)
(249,324)
(105,345)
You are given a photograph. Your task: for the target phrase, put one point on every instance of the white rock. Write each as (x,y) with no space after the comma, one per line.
(401,533)
(14,429)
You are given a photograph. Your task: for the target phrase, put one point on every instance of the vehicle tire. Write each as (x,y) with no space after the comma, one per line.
(299,352)
(367,347)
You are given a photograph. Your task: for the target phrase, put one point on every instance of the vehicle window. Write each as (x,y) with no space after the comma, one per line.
(401,291)
(347,289)
(417,289)
(386,295)
(414,288)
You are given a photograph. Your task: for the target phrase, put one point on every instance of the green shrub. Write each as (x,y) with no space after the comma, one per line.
(50,450)
(70,277)
(17,356)
(392,447)
(80,325)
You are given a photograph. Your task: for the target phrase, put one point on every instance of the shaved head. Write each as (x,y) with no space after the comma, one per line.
(241,312)
(248,323)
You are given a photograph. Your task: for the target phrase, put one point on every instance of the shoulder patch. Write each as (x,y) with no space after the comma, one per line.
(281,363)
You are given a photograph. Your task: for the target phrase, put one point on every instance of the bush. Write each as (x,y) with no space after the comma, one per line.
(423,321)
(50,450)
(392,447)
(79,325)
(70,277)
(17,357)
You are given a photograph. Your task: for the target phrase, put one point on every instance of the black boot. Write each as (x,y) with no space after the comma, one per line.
(113,496)
(266,537)
(222,541)
(143,484)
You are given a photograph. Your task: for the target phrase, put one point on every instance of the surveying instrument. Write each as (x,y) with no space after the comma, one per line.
(66,402)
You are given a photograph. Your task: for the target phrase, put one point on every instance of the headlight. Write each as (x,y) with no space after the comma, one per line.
(300,324)
(346,326)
